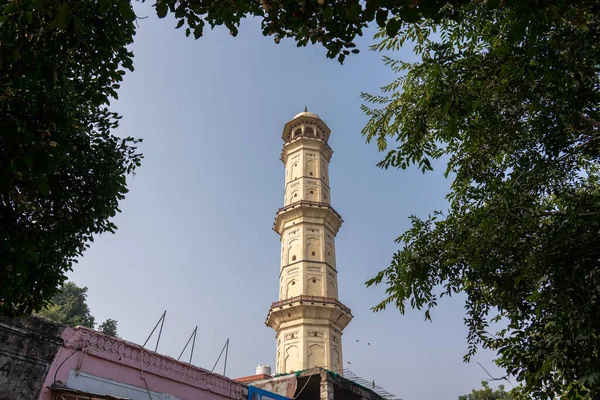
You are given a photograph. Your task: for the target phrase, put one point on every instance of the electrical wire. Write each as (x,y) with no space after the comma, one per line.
(303,387)
(63,361)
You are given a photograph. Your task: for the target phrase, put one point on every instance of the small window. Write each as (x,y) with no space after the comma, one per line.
(313,253)
(314,281)
(293,283)
(293,258)
(325,197)
(295,194)
(310,173)
(328,253)
(311,192)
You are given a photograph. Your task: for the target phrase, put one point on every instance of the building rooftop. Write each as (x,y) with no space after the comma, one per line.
(252,378)
(306,114)
(308,384)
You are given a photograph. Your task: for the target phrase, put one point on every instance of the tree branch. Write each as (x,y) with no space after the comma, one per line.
(590,121)
(504,378)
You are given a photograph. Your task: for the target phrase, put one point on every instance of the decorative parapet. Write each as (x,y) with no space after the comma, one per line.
(134,356)
(311,299)
(312,204)
(312,307)
(310,209)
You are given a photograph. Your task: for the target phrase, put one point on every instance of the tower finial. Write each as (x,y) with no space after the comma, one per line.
(305,109)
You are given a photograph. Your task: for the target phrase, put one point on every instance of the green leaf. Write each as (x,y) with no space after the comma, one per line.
(381,17)
(493,4)
(547,366)
(327,12)
(126,10)
(409,15)
(370,9)
(161,8)
(392,27)
(43,188)
(63,17)
(198,30)
(353,11)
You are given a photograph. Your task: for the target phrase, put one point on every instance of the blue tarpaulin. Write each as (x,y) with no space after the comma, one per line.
(255,393)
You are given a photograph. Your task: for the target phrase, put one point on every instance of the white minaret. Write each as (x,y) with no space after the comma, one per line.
(308,318)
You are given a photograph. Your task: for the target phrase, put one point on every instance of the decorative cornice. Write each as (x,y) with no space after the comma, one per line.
(308,177)
(306,261)
(133,355)
(301,306)
(300,142)
(309,209)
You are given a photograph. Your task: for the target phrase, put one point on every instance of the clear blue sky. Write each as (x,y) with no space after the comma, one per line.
(195,234)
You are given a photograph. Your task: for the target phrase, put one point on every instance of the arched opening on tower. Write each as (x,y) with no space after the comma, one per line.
(329,255)
(312,194)
(316,356)
(313,249)
(313,286)
(293,250)
(311,168)
(293,197)
(295,170)
(292,359)
(336,359)
(293,288)
(323,172)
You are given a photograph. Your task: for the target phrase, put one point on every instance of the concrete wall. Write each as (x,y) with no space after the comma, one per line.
(28,347)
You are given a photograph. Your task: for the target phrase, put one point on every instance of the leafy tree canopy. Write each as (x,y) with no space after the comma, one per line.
(515,111)
(487,393)
(62,172)
(336,23)
(69,306)
(109,327)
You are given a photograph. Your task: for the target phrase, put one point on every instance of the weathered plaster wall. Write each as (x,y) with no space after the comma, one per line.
(27,348)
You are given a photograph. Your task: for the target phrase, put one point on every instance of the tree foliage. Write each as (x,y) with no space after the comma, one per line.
(336,23)
(69,306)
(487,393)
(62,172)
(109,327)
(514,109)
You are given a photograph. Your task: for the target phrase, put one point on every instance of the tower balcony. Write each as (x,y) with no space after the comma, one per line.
(309,210)
(308,124)
(301,309)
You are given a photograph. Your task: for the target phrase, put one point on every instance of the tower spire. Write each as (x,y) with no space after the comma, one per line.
(308,318)
(305,109)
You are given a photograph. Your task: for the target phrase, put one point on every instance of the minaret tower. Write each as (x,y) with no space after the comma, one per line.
(308,318)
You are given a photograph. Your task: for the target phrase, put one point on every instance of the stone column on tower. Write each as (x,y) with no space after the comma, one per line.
(308,318)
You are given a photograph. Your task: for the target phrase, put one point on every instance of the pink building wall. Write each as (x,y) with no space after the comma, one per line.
(93,353)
